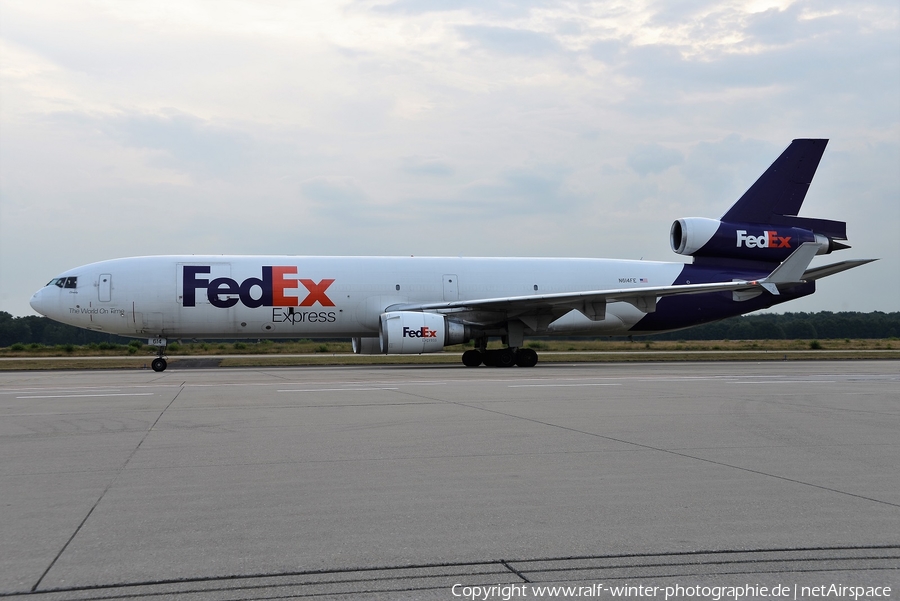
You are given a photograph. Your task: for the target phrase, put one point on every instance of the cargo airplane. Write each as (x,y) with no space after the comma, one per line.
(755,256)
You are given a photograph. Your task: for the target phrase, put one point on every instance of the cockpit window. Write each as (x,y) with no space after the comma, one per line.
(70,282)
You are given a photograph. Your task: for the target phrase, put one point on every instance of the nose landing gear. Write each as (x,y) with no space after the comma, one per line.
(159,364)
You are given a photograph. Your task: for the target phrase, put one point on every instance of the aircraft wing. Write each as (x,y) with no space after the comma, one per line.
(593,302)
(643,298)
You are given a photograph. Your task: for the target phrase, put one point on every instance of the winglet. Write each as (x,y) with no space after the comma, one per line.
(791,270)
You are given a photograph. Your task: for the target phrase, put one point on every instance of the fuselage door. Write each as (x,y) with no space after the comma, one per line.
(451,287)
(104,287)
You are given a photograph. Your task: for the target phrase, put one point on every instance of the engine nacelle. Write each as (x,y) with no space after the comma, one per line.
(411,332)
(366,346)
(701,237)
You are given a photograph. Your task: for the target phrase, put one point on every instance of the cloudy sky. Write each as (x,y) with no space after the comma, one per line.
(436,127)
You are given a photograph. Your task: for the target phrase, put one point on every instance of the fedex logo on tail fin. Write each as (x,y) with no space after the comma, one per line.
(266,291)
(769,239)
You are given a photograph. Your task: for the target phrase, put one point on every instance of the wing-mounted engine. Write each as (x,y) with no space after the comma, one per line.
(412,332)
(366,346)
(702,237)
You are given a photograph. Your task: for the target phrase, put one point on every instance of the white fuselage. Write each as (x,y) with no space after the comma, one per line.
(322,297)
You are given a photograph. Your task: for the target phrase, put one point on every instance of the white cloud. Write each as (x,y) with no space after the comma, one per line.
(533,128)
(506,40)
(653,158)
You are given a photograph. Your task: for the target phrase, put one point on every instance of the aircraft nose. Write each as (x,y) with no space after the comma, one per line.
(37,302)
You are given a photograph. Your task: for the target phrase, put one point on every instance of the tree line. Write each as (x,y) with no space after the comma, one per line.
(34,329)
(793,326)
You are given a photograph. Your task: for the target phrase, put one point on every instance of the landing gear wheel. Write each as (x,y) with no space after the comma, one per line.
(505,358)
(472,358)
(159,364)
(526,357)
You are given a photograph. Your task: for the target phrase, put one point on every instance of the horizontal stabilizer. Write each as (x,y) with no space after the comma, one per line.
(826,270)
(791,270)
(794,269)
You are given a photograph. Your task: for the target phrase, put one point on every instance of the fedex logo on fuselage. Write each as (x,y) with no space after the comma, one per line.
(266,291)
(423,332)
(769,239)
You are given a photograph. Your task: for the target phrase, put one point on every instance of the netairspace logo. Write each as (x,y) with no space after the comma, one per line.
(506,592)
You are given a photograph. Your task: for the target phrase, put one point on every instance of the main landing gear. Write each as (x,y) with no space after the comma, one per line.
(505,357)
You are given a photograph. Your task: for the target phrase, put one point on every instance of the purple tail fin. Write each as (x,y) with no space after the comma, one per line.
(777,195)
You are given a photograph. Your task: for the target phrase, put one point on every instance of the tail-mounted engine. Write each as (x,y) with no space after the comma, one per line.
(701,237)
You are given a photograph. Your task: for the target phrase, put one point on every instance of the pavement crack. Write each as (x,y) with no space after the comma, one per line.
(506,565)
(105,490)
(660,450)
